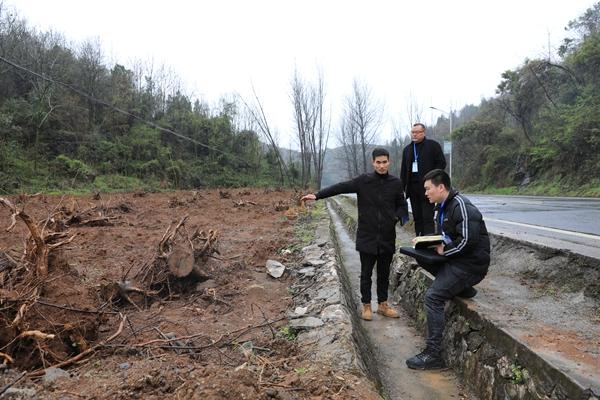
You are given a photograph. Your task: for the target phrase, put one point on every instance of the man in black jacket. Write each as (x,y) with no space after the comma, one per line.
(418,158)
(466,245)
(381,205)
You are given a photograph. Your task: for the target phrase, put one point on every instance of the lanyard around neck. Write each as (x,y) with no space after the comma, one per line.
(441,222)
(416,158)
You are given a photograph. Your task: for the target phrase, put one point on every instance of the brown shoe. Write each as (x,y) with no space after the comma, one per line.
(367,314)
(387,311)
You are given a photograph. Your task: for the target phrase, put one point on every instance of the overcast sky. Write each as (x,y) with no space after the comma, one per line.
(442,53)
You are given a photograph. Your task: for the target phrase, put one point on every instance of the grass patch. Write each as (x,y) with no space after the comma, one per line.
(558,188)
(288,333)
(306,224)
(301,370)
(518,374)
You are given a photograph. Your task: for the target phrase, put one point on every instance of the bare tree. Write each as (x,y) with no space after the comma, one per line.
(312,128)
(348,138)
(304,118)
(91,71)
(320,137)
(362,116)
(257,112)
(414,111)
(399,140)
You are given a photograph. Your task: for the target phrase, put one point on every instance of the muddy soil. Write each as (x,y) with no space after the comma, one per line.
(221,337)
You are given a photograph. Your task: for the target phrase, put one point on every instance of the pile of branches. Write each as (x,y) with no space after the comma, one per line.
(42,241)
(28,336)
(97,215)
(181,261)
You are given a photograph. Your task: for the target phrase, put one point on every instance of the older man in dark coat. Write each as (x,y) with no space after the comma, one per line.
(418,158)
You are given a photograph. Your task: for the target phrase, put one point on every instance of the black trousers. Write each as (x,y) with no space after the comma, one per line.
(367,262)
(422,210)
(449,281)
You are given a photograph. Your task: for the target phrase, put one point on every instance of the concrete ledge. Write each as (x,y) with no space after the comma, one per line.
(494,363)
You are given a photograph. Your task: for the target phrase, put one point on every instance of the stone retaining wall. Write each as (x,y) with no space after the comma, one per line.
(493,363)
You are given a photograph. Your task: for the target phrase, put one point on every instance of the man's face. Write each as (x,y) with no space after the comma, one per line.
(435,194)
(417,134)
(381,164)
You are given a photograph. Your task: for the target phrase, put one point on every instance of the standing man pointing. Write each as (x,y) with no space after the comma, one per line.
(418,158)
(381,205)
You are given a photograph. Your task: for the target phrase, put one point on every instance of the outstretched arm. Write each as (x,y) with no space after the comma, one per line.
(350,186)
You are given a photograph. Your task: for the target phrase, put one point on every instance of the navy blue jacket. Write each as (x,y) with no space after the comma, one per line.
(469,248)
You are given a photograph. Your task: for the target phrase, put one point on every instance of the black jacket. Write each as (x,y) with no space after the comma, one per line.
(381,204)
(430,156)
(469,248)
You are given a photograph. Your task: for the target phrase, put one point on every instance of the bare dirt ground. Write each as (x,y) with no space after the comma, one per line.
(106,315)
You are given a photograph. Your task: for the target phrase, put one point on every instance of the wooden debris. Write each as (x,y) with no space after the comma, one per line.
(242,203)
(179,261)
(36,335)
(281,206)
(40,243)
(83,354)
(7,359)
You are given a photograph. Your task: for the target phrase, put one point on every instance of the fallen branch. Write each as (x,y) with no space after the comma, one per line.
(7,359)
(168,340)
(38,247)
(36,334)
(81,355)
(16,380)
(213,343)
(19,316)
(76,309)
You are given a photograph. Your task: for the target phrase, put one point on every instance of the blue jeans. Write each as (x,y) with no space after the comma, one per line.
(449,281)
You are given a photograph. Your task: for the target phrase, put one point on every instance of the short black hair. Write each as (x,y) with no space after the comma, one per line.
(438,177)
(421,125)
(380,151)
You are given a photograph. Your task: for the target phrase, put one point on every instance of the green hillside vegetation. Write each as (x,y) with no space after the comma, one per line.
(71,122)
(541,133)
(54,137)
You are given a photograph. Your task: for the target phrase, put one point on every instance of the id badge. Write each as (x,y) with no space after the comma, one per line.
(415,167)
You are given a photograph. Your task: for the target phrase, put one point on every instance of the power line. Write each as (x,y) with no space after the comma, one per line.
(120,110)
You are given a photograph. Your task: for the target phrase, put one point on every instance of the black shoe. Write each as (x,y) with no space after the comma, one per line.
(426,360)
(468,293)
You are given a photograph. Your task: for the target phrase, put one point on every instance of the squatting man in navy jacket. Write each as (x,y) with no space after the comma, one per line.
(381,205)
(466,246)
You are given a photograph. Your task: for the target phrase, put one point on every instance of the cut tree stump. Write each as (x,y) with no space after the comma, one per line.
(181,262)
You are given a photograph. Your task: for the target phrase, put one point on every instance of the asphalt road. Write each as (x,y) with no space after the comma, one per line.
(557,222)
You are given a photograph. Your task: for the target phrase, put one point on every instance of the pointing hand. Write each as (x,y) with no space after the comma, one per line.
(309,196)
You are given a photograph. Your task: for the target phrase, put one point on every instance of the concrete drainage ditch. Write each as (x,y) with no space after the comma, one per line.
(516,340)
(507,343)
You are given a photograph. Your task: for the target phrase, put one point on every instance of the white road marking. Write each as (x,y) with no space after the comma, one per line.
(543,228)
